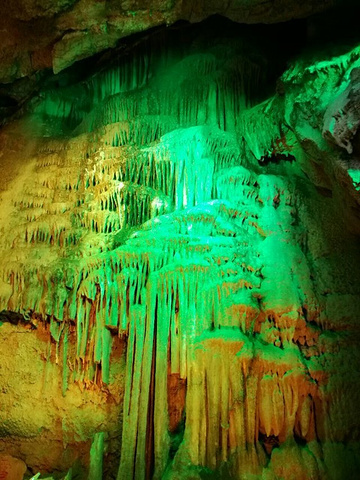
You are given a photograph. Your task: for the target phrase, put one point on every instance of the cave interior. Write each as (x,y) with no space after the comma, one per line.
(179,247)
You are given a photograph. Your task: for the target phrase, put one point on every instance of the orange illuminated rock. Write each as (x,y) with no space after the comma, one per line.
(11,468)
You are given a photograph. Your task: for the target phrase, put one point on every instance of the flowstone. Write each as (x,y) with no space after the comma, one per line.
(166,203)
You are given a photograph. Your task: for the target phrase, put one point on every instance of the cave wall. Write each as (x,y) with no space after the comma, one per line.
(180,263)
(40,424)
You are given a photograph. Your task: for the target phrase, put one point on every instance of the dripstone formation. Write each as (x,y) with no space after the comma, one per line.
(179,258)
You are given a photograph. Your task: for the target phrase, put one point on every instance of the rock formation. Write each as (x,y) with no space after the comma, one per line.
(180,248)
(38,34)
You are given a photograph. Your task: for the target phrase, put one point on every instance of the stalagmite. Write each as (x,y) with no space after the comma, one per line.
(96,457)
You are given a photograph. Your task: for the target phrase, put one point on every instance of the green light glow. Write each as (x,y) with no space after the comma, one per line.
(162,202)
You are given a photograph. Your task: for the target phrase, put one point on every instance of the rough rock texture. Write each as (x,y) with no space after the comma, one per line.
(38,423)
(11,468)
(342,119)
(170,202)
(38,34)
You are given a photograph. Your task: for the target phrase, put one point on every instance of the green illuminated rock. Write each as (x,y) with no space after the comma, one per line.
(165,201)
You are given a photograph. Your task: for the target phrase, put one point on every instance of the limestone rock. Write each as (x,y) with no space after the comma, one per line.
(162,202)
(342,117)
(38,34)
(11,468)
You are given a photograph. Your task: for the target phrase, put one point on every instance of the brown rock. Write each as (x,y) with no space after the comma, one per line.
(74,30)
(11,468)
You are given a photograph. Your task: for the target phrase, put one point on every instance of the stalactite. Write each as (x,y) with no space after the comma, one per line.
(158,219)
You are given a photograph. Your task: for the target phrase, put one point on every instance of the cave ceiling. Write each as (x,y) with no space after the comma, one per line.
(40,34)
